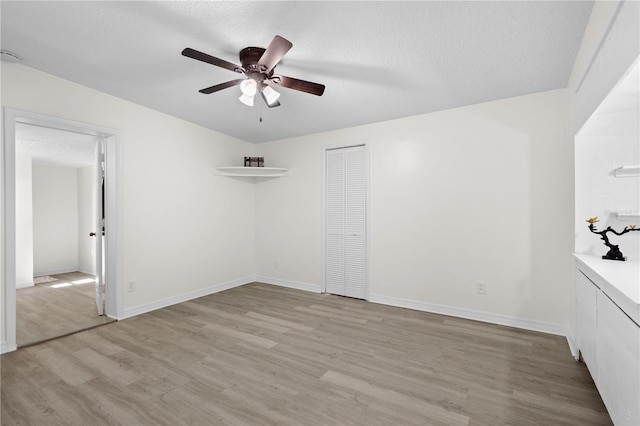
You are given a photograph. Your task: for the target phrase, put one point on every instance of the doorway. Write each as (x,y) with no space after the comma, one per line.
(14,121)
(346,221)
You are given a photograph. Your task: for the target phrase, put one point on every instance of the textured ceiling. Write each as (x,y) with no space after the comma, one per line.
(55,147)
(378,60)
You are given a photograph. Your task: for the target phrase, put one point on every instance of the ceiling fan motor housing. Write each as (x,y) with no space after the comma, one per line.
(249,57)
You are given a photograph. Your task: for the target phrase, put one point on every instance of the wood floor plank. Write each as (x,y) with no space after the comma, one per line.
(63,366)
(265,355)
(278,321)
(115,371)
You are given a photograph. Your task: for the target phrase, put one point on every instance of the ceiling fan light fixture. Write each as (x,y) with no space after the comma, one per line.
(258,66)
(269,95)
(249,87)
(247,100)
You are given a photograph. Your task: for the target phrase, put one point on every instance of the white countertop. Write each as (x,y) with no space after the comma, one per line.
(618,280)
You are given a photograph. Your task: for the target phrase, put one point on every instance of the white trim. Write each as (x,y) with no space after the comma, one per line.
(573,347)
(489,317)
(9,228)
(337,145)
(4,348)
(314,288)
(55,271)
(114,211)
(25,284)
(184,297)
(113,240)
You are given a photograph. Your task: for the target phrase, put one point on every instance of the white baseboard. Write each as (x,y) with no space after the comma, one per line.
(148,307)
(315,288)
(4,348)
(524,323)
(25,284)
(86,271)
(488,317)
(55,271)
(573,347)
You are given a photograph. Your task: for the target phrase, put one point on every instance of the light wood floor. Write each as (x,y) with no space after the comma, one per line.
(264,355)
(44,312)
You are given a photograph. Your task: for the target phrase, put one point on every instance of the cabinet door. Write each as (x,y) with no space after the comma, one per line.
(586,320)
(618,355)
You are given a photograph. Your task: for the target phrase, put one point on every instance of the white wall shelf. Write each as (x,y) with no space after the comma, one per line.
(627,171)
(626,215)
(266,172)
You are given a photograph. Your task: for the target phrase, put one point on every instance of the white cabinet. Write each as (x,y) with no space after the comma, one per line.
(608,335)
(586,308)
(618,359)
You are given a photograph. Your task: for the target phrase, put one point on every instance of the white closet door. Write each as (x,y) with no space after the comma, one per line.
(355,217)
(346,266)
(335,208)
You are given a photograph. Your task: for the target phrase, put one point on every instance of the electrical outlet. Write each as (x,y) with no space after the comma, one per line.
(275,264)
(131,286)
(481,287)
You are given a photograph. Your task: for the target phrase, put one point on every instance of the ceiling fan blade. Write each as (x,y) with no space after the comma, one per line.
(221,86)
(278,47)
(300,85)
(194,54)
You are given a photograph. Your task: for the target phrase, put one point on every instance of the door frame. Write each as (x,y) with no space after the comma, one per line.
(339,145)
(113,240)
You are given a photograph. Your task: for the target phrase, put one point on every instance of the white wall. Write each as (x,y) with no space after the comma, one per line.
(55,220)
(24,221)
(183,229)
(474,193)
(86,218)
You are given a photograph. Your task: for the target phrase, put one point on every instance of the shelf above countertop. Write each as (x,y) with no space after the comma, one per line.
(252,171)
(627,171)
(625,214)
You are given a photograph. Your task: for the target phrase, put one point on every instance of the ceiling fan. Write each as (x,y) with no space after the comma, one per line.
(258,65)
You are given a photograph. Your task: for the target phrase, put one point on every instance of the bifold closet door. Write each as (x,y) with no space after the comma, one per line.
(346,266)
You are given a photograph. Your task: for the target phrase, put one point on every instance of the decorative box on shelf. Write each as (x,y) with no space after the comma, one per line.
(253,167)
(254,161)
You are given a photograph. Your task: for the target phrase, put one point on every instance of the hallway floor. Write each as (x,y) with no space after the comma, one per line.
(56,308)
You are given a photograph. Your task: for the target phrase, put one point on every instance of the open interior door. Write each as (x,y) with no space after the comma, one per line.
(100,229)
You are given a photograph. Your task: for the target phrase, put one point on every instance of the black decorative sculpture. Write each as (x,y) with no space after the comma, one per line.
(614,252)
